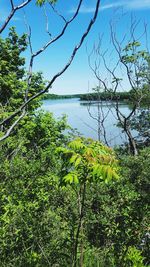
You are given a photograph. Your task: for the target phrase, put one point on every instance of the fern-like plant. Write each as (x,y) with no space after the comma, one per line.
(85,161)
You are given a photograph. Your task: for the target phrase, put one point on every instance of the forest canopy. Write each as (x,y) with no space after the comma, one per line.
(66,200)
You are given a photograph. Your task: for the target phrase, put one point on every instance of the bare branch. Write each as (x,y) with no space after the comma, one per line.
(31,62)
(133,68)
(12,126)
(44,47)
(118,50)
(12,4)
(58,14)
(76,48)
(47,26)
(13,11)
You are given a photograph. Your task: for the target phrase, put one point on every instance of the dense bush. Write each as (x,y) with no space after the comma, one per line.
(65,202)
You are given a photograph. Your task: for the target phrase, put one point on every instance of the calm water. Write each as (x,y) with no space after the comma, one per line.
(79,118)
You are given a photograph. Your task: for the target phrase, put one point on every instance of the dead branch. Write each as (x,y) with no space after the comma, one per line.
(11,128)
(13,11)
(57,75)
(132,70)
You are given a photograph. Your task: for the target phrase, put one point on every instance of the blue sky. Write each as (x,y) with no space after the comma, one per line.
(78,78)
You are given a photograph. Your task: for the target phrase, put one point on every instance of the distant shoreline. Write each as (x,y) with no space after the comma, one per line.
(104,96)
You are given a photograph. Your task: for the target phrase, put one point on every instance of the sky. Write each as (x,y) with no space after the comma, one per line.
(78,78)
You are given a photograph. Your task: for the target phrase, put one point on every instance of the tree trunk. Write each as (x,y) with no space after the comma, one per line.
(132,143)
(81,200)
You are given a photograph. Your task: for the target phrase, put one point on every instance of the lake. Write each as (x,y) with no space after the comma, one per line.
(79,118)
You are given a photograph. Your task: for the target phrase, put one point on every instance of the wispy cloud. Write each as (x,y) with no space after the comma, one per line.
(114,5)
(83,9)
(139,4)
(126,4)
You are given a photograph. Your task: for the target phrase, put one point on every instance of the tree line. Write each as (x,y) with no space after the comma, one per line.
(64,200)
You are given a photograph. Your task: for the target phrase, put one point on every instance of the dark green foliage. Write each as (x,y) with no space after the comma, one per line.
(14,82)
(118,213)
(32,206)
(11,67)
(61,203)
(104,96)
(141,123)
(39,219)
(13,75)
(54,96)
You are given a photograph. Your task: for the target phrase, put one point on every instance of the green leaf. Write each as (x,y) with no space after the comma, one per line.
(77,144)
(42,2)
(78,161)
(105,172)
(73,158)
(71,178)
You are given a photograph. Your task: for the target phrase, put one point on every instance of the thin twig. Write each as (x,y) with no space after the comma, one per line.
(57,75)
(13,11)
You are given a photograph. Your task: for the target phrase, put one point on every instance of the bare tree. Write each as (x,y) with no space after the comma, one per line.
(100,117)
(18,114)
(130,61)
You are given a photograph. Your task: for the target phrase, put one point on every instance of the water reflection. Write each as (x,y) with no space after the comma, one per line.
(78,117)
